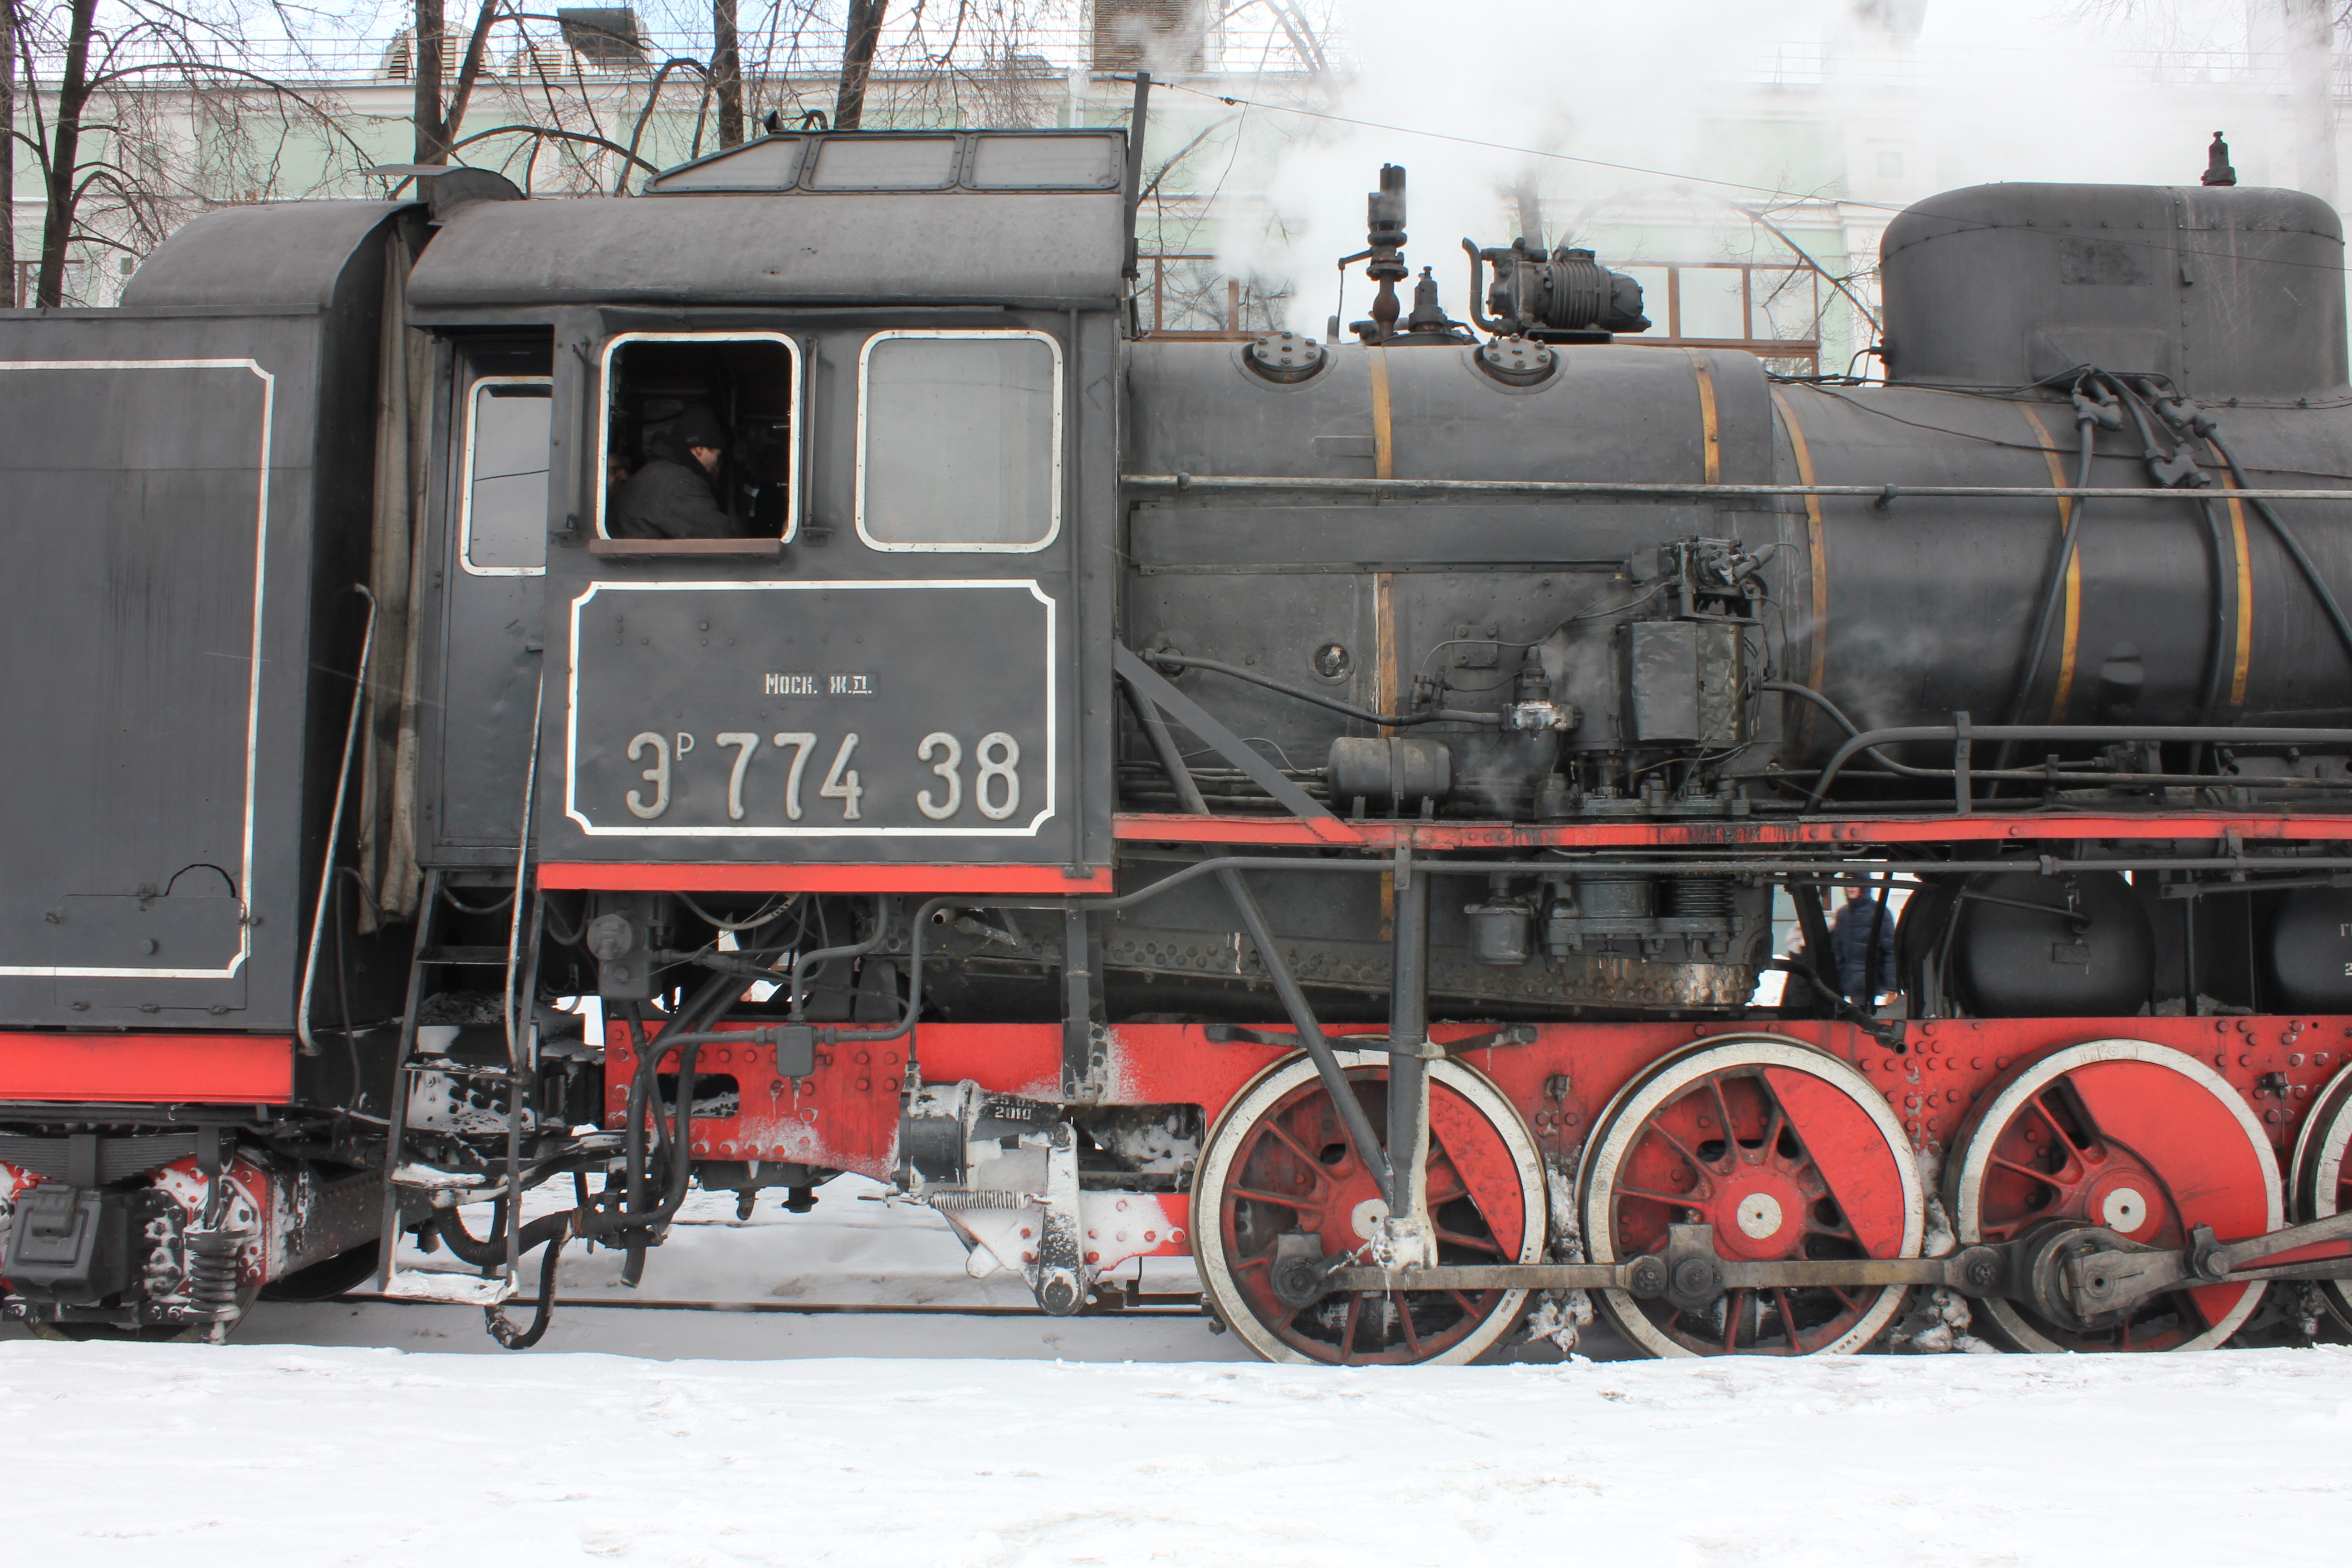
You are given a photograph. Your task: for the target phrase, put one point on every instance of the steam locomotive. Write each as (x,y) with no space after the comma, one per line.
(1313,808)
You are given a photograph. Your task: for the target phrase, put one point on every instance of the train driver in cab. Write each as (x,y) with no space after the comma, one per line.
(674,495)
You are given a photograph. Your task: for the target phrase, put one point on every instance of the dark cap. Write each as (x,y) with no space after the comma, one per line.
(698,426)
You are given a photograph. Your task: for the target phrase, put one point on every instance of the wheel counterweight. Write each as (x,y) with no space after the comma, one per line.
(1789,1154)
(2137,1138)
(1279,1190)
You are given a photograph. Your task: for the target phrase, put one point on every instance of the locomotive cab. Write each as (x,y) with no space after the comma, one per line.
(864,650)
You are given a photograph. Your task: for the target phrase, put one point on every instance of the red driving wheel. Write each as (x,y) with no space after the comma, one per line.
(1789,1154)
(2321,1184)
(2136,1137)
(1278,1180)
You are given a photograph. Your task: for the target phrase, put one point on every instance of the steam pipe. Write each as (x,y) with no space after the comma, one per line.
(1130,190)
(1484,323)
(2110,734)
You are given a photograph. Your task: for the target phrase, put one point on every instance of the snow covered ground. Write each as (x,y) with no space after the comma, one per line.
(369,1433)
(270,1454)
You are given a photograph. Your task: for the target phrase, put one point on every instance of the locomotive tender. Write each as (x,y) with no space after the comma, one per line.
(1315,809)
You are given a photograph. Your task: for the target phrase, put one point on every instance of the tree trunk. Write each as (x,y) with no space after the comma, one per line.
(65,155)
(469,72)
(440,120)
(424,53)
(727,72)
(857,61)
(8,151)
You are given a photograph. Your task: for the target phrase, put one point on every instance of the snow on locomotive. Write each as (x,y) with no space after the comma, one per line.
(1315,809)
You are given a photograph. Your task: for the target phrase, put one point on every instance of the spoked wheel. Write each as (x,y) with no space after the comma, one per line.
(1279,1180)
(1789,1153)
(2136,1137)
(2321,1184)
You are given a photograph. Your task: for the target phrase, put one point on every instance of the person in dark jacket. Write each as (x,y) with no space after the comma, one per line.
(1850,945)
(671,497)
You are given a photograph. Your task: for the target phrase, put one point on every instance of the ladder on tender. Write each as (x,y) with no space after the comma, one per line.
(517,961)
(410,1183)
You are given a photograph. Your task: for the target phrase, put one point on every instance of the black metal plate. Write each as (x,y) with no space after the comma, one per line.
(670,668)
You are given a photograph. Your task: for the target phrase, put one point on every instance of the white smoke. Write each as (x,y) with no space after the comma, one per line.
(1706,103)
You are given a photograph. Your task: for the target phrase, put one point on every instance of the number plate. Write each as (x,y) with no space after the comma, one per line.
(812,709)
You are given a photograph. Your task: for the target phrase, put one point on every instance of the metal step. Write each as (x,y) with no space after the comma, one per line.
(475,957)
(448,1286)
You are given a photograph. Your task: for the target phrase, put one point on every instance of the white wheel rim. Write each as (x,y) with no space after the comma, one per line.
(2318,1168)
(1269,1089)
(1993,1116)
(1664,1082)
(2320,1148)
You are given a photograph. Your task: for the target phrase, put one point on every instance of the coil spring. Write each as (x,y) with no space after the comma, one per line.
(213,1275)
(1699,898)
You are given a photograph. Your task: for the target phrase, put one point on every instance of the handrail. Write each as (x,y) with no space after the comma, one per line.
(2109,734)
(1881,495)
(335,829)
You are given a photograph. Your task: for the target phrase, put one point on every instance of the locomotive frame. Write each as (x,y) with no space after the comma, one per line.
(1450,1027)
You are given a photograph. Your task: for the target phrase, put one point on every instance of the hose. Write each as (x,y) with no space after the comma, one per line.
(486,1254)
(808,960)
(2286,538)
(2175,469)
(715,994)
(2217,645)
(551,1232)
(1887,1032)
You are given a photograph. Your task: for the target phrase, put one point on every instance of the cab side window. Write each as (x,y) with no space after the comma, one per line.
(960,440)
(503,511)
(701,437)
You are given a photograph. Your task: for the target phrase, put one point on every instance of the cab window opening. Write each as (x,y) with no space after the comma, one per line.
(700,437)
(960,440)
(503,507)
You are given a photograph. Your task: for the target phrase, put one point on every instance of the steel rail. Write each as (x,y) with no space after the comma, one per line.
(1178,1305)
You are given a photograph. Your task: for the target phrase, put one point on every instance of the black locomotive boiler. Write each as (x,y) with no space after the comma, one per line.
(1312,808)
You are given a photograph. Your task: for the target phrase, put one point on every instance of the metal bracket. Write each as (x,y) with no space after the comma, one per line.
(1059,1278)
(1151,686)
(1485,1039)
(1691,1273)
